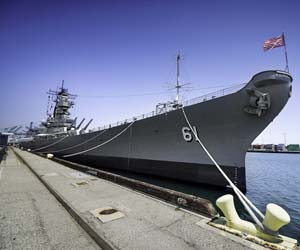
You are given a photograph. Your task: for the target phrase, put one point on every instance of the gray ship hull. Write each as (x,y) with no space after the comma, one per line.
(3,145)
(163,145)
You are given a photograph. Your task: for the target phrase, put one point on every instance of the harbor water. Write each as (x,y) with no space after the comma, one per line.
(274,178)
(271,178)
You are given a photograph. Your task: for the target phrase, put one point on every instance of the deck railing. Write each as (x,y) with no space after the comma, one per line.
(203,98)
(213,95)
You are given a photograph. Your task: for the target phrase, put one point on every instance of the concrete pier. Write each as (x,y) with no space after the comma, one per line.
(30,216)
(114,216)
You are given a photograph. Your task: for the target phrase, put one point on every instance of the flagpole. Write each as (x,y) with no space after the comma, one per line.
(285,52)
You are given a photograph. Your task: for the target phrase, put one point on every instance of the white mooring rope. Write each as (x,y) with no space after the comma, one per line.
(77,145)
(102,144)
(50,144)
(244,200)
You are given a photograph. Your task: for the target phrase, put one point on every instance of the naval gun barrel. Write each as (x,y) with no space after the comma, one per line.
(73,124)
(86,126)
(80,123)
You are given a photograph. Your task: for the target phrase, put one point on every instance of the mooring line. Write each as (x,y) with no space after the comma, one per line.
(64,149)
(50,144)
(244,200)
(102,144)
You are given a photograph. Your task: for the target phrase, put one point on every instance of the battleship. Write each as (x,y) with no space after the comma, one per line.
(162,143)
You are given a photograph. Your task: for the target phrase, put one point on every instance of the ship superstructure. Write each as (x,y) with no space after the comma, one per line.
(59,121)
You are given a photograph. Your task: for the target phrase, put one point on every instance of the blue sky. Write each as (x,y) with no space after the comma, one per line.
(119,48)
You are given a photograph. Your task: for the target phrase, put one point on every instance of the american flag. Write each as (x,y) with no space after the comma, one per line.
(274,42)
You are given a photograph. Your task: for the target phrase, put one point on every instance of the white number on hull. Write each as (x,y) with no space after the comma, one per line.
(187,133)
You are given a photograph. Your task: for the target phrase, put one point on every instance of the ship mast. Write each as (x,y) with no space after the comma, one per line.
(174,104)
(178,86)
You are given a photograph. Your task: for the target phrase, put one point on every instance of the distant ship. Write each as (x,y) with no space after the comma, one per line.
(161,143)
